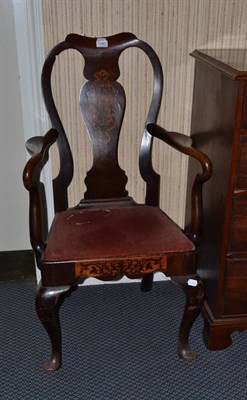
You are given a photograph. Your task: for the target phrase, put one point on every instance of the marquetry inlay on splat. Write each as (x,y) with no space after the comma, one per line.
(102,102)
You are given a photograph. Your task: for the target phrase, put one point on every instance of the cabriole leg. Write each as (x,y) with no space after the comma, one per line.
(193,305)
(48,302)
(147,283)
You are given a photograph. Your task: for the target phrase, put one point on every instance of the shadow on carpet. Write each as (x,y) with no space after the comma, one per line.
(118,343)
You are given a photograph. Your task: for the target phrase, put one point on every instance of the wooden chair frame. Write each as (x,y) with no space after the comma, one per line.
(101,70)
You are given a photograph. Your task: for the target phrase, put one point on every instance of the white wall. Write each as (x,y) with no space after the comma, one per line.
(14,233)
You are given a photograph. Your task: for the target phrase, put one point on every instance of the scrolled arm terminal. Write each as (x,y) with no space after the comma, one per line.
(38,147)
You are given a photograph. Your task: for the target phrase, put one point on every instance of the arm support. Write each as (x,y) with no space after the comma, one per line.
(183,144)
(38,147)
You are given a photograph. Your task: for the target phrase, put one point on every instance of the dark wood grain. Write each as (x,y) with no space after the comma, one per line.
(244,115)
(193,305)
(48,302)
(31,177)
(183,144)
(238,230)
(213,113)
(218,117)
(234,295)
(241,176)
(119,236)
(102,103)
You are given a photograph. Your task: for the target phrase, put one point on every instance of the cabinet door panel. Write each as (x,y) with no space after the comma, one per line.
(238,236)
(244,115)
(235,293)
(241,178)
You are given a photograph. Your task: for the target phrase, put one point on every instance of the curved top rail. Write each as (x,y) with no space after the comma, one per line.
(102,54)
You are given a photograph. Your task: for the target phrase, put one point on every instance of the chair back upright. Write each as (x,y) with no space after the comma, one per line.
(102,102)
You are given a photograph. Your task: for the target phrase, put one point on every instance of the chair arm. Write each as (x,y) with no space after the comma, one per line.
(38,147)
(35,144)
(183,144)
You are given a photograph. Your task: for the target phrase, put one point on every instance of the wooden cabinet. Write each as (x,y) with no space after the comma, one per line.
(219,128)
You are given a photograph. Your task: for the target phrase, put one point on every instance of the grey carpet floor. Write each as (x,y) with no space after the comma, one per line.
(118,343)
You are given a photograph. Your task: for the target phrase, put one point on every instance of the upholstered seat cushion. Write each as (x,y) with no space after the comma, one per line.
(111,233)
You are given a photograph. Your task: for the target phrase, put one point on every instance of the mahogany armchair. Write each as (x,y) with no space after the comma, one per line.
(108,235)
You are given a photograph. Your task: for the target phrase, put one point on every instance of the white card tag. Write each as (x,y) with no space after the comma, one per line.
(101,42)
(192,282)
